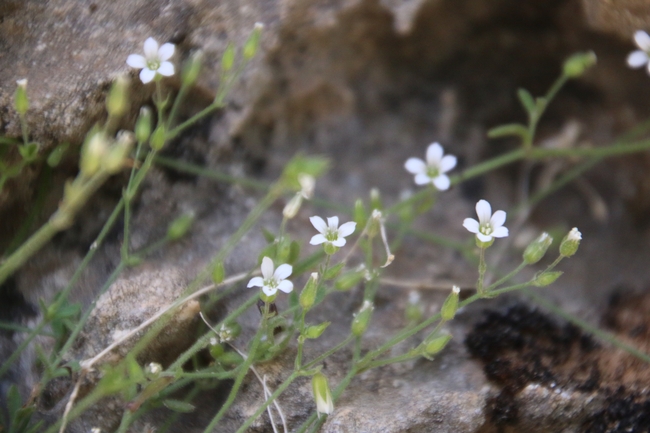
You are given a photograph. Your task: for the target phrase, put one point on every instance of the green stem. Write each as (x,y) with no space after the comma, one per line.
(240,377)
(482,267)
(285,384)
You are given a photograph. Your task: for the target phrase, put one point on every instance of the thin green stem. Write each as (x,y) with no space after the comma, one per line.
(285,384)
(482,267)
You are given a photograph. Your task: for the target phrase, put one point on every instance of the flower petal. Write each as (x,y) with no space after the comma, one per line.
(146,75)
(166,51)
(317,239)
(415,165)
(339,242)
(333,222)
(484,211)
(286,286)
(447,163)
(283,271)
(256,281)
(498,219)
(136,61)
(166,69)
(500,232)
(422,179)
(483,238)
(269,291)
(442,182)
(642,40)
(318,223)
(434,154)
(151,48)
(347,229)
(471,224)
(267,267)
(636,59)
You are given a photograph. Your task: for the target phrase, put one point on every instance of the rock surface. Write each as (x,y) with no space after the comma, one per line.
(369,83)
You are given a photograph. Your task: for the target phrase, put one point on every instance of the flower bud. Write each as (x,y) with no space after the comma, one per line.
(360,214)
(570,243)
(21,101)
(434,346)
(117,100)
(118,152)
(349,280)
(216,350)
(253,42)
(180,226)
(316,330)
(192,68)
(307,183)
(546,278)
(157,140)
(449,308)
(153,370)
(362,319)
(291,209)
(322,394)
(537,248)
(92,154)
(228,58)
(143,125)
(577,64)
(218,273)
(308,294)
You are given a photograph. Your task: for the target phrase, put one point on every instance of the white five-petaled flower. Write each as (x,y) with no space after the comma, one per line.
(488,225)
(331,232)
(155,60)
(433,171)
(640,57)
(271,281)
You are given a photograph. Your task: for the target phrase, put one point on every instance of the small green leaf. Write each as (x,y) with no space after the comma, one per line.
(56,155)
(179,406)
(294,252)
(29,152)
(268,236)
(526,100)
(218,273)
(510,129)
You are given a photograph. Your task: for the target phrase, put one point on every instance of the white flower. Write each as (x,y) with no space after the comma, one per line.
(154,61)
(433,171)
(331,232)
(488,226)
(639,58)
(271,281)
(574,235)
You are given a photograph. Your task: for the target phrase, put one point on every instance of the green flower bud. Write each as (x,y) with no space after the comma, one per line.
(117,101)
(360,214)
(119,151)
(333,272)
(413,310)
(577,64)
(570,243)
(546,278)
(362,319)
(228,58)
(322,394)
(231,359)
(218,273)
(253,42)
(143,125)
(349,280)
(537,248)
(316,330)
(434,346)
(92,154)
(157,140)
(21,101)
(450,306)
(217,350)
(180,226)
(308,294)
(192,68)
